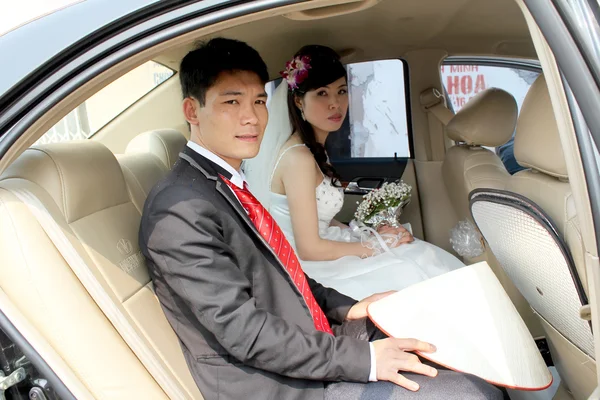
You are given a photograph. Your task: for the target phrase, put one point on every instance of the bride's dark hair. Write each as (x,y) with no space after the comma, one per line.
(325,68)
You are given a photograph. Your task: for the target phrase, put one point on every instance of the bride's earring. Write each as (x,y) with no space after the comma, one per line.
(302,112)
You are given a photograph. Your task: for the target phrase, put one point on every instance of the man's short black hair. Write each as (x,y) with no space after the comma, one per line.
(200,68)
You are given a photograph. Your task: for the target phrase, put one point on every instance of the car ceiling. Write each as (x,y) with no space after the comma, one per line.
(389,29)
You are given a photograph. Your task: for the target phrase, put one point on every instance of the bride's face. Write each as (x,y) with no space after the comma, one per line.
(325,108)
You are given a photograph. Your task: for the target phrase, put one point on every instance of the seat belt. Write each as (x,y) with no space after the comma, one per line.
(438,116)
(99,295)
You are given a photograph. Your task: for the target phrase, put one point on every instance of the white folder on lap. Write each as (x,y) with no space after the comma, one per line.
(471,320)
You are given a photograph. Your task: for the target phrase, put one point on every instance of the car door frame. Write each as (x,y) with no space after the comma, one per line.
(43,88)
(67,70)
(563,24)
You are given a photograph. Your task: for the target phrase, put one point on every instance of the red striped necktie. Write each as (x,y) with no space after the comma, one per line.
(272,234)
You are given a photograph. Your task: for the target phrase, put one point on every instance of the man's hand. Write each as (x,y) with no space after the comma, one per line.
(391,357)
(402,232)
(359,310)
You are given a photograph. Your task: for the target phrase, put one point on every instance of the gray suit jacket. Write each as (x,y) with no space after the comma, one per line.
(244,328)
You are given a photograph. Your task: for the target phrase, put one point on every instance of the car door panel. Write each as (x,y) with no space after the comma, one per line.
(400,169)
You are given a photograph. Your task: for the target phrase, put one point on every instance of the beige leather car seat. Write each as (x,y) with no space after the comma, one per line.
(488,119)
(546,185)
(165,144)
(148,157)
(82,186)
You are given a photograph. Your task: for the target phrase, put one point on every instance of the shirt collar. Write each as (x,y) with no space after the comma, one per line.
(237,177)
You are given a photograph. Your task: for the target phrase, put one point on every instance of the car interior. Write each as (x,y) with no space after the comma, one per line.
(88,304)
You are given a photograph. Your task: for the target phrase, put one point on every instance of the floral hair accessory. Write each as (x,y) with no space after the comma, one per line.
(296,71)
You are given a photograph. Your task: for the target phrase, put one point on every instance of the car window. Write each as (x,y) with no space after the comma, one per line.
(377,122)
(377,125)
(462,82)
(97,111)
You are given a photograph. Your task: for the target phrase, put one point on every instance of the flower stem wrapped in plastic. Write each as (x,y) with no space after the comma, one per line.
(372,240)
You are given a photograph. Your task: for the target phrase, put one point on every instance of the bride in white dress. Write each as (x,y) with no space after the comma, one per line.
(292,178)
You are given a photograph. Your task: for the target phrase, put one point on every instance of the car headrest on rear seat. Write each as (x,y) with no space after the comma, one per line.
(537,142)
(59,169)
(488,119)
(166,144)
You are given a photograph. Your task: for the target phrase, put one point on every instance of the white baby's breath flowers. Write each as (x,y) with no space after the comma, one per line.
(388,195)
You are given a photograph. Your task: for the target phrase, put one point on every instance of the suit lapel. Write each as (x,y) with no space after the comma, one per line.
(211,171)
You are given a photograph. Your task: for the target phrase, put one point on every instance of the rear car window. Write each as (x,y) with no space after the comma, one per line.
(377,124)
(97,111)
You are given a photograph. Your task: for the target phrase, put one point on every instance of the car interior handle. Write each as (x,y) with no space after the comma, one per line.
(355,186)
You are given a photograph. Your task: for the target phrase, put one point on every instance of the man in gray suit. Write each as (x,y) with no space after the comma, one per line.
(251,324)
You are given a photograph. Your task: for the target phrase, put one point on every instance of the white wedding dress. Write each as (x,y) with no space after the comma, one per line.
(358,277)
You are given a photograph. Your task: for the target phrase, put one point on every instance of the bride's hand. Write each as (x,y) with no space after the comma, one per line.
(402,232)
(359,310)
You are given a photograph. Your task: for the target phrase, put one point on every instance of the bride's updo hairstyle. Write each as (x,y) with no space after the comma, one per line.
(311,68)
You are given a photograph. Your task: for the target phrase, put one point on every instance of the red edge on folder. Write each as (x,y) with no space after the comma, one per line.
(526,389)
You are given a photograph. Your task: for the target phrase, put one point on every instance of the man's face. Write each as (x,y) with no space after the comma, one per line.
(232,122)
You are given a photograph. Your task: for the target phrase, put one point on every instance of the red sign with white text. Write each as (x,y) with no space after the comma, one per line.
(462,82)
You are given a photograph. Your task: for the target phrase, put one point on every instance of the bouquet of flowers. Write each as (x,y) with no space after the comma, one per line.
(384,205)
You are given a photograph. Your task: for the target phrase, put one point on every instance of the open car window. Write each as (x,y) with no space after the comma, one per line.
(377,123)
(101,108)
(462,82)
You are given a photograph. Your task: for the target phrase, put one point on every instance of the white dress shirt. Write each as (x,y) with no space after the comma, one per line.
(238,179)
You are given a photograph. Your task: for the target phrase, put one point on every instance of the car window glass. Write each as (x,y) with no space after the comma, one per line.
(97,111)
(462,82)
(377,122)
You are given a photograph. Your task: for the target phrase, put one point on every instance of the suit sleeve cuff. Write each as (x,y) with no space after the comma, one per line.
(373,373)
